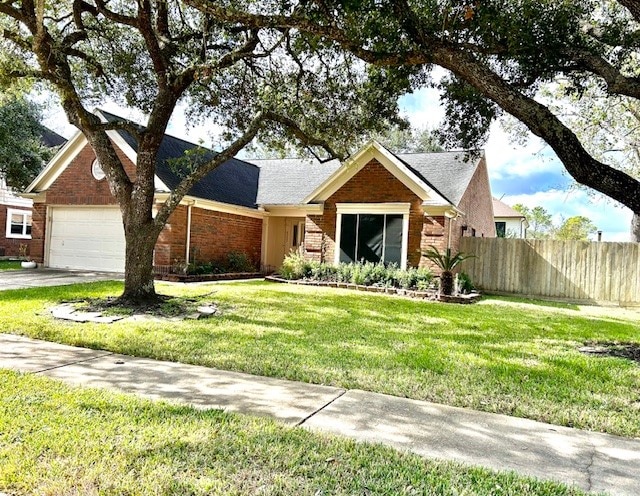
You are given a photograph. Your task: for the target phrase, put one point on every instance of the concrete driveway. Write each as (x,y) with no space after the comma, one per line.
(35,278)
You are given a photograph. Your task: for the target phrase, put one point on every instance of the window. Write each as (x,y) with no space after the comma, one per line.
(298,234)
(501,229)
(96,170)
(373,234)
(18,224)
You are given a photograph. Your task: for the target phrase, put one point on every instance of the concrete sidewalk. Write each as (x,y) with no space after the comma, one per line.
(591,461)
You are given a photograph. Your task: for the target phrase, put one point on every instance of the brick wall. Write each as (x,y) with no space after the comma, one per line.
(213,236)
(477,206)
(38,220)
(373,184)
(77,186)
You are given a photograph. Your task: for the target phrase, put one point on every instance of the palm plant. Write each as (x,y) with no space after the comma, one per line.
(446,262)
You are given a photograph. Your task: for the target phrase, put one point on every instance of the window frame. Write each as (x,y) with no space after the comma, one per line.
(24,213)
(374,209)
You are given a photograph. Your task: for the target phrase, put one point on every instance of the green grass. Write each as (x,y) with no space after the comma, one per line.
(512,358)
(55,439)
(9,264)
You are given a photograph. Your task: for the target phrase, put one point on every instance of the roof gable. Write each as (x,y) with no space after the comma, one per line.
(234,181)
(397,167)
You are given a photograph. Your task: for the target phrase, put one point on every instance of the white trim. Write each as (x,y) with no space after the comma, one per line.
(448,211)
(226,208)
(131,154)
(353,165)
(58,163)
(188,237)
(68,153)
(24,214)
(377,209)
(48,219)
(294,210)
(374,208)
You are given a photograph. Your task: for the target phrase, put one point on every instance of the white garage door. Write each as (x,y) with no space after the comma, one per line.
(86,238)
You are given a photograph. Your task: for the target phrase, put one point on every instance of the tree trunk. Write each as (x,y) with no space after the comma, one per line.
(139,285)
(635,228)
(446,283)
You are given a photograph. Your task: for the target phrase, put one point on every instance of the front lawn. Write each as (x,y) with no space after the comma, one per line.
(512,358)
(10,264)
(55,439)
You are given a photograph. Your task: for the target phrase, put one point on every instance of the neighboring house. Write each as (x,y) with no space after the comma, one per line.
(375,206)
(509,222)
(15,212)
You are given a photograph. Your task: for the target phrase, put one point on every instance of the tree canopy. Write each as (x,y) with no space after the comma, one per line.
(22,153)
(278,85)
(497,55)
(577,227)
(541,225)
(539,220)
(409,140)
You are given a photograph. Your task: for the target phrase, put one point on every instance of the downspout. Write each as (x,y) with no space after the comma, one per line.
(452,215)
(188,240)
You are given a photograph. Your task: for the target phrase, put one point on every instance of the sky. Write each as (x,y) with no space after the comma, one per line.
(529,173)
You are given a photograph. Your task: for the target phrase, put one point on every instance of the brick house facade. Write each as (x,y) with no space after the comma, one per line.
(213,234)
(474,216)
(385,206)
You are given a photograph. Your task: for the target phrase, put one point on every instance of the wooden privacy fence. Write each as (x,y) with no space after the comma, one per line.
(581,271)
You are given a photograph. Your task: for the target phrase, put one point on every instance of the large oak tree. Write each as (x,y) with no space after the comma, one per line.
(497,54)
(274,84)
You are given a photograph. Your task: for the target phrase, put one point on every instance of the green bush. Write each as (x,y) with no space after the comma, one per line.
(466,285)
(239,261)
(295,266)
(199,268)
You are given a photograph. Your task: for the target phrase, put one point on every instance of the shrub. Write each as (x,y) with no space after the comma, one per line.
(368,273)
(199,268)
(294,266)
(239,261)
(466,285)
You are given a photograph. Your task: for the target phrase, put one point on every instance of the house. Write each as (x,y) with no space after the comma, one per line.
(374,206)
(15,211)
(509,222)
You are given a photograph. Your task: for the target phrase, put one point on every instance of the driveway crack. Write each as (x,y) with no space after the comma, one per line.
(589,465)
(74,363)
(315,412)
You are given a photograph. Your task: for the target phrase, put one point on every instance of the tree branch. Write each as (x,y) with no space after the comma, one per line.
(302,135)
(617,83)
(187,183)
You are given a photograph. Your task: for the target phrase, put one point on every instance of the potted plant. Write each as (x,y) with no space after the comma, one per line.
(446,262)
(26,263)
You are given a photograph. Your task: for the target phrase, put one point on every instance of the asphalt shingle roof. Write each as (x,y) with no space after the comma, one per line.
(50,138)
(501,209)
(289,181)
(234,181)
(447,172)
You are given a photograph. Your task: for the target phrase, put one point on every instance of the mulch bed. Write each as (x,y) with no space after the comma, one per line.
(630,351)
(208,277)
(422,295)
